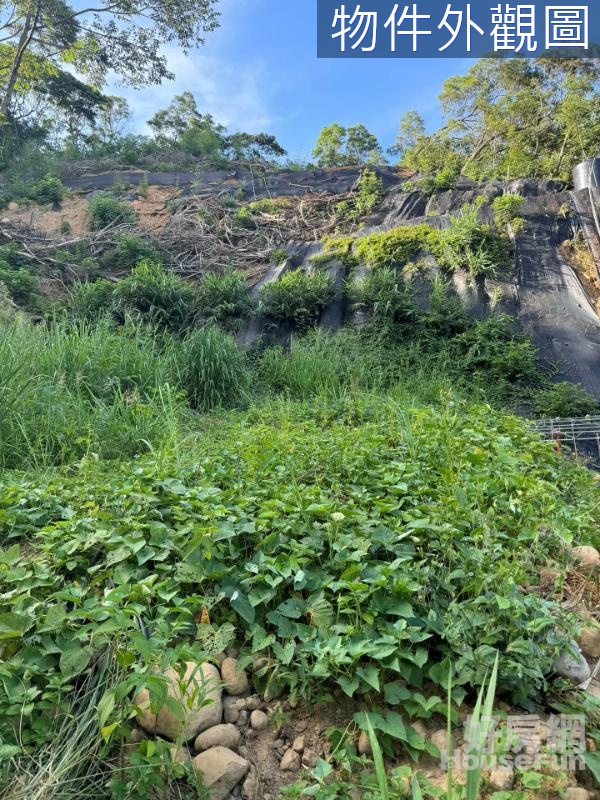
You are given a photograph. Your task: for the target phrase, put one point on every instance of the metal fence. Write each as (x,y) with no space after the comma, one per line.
(579,434)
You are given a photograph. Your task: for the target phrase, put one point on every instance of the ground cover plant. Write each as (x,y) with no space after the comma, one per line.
(390,542)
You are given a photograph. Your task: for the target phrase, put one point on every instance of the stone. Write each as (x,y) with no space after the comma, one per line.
(243,718)
(364,745)
(440,740)
(589,639)
(501,780)
(231,715)
(290,762)
(298,744)
(587,558)
(220,735)
(199,683)
(179,755)
(572,665)
(253,702)
(310,757)
(419,728)
(221,769)
(259,720)
(576,793)
(235,679)
(251,786)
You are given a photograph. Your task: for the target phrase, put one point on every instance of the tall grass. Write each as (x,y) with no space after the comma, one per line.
(67,390)
(212,370)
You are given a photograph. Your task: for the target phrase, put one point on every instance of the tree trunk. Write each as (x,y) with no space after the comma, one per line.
(29,27)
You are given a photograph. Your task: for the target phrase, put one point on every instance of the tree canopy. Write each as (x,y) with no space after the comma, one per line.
(510,118)
(123,36)
(339,147)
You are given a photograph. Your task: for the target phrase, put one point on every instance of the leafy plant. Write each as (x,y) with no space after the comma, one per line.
(386,294)
(296,297)
(155,295)
(224,299)
(105,210)
(395,247)
(507,208)
(564,400)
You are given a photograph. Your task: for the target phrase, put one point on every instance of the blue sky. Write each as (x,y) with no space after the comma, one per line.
(259,72)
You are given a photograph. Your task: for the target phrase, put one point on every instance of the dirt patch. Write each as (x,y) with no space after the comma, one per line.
(577,254)
(69,218)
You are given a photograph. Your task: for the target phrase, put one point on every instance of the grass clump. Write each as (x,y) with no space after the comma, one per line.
(386,295)
(297,297)
(92,301)
(105,210)
(156,296)
(507,208)
(68,390)
(336,249)
(472,245)
(224,299)
(212,370)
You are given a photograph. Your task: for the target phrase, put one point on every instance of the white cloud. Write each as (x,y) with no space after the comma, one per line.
(235,97)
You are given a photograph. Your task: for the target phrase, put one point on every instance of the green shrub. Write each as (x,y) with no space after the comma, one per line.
(105,210)
(336,249)
(564,400)
(444,180)
(447,315)
(212,369)
(131,250)
(493,353)
(385,294)
(296,297)
(244,218)
(472,245)
(365,199)
(507,208)
(48,189)
(91,301)
(21,284)
(224,299)
(155,296)
(396,247)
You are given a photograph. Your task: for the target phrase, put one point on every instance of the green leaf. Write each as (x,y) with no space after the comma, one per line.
(74,661)
(14,626)
(370,675)
(592,762)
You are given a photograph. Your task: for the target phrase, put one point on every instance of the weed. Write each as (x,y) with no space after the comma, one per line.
(507,208)
(224,299)
(105,210)
(564,400)
(296,297)
(155,295)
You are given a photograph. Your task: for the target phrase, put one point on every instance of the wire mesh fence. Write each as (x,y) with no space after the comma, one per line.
(581,435)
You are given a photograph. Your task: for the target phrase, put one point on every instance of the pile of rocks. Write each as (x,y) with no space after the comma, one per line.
(214,709)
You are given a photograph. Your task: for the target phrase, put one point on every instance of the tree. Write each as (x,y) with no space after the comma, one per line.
(124,36)
(259,147)
(337,146)
(111,119)
(512,118)
(410,133)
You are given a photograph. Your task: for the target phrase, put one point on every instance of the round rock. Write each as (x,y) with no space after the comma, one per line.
(586,557)
(220,735)
(291,761)
(200,683)
(259,720)
(235,679)
(221,769)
